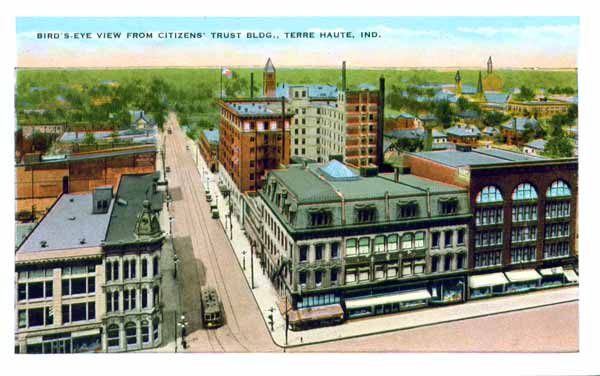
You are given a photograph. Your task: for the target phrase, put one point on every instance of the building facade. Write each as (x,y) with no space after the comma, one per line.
(524,218)
(78,274)
(366,245)
(208,144)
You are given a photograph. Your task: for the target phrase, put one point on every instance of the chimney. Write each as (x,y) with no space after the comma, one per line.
(251,85)
(380,120)
(343,75)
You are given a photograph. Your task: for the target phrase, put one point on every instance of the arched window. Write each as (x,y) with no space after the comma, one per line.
(131,333)
(558,189)
(489,194)
(155,270)
(524,191)
(392,243)
(112,332)
(407,241)
(144,267)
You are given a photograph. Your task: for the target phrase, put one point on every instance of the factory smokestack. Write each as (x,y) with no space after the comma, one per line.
(343,75)
(380,120)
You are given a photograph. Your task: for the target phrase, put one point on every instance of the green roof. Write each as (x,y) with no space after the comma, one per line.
(311,185)
(133,191)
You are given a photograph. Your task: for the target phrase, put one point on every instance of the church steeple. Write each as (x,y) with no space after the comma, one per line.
(490,66)
(269,80)
(458,84)
(479,84)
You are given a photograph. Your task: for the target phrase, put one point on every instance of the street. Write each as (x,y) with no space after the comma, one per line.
(206,257)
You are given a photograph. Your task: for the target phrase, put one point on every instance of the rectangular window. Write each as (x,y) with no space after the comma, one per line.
(435,239)
(448,239)
(49,315)
(448,263)
(363,276)
(392,271)
(351,249)
(22,318)
(334,276)
(379,245)
(302,278)
(460,237)
(35,290)
(318,278)
(460,259)
(35,317)
(303,253)
(91,311)
(406,268)
(78,286)
(335,250)
(319,252)
(363,246)
(448,207)
(144,298)
(78,312)
(350,275)
(434,264)
(66,314)
(366,215)
(420,239)
(408,210)
(392,243)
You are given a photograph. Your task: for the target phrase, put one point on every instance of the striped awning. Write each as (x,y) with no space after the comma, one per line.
(523,275)
(571,276)
(487,280)
(407,296)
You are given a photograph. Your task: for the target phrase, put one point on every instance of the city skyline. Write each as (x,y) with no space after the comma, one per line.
(405,42)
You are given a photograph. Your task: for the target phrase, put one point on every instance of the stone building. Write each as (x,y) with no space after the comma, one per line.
(208,144)
(87,276)
(331,236)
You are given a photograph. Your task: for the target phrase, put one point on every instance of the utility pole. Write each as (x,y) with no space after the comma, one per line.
(175,323)
(287,319)
(252,245)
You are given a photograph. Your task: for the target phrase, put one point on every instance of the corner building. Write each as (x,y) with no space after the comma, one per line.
(341,245)
(524,216)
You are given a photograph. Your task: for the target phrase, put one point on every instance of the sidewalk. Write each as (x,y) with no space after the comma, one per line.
(267,298)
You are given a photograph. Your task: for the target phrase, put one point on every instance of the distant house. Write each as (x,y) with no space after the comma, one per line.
(209,148)
(439,139)
(139,119)
(469,117)
(490,132)
(463,134)
(535,147)
(514,128)
(402,121)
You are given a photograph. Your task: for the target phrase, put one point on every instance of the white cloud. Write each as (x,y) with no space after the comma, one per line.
(529,31)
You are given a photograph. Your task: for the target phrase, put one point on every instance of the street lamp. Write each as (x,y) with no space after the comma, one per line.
(244,260)
(252,245)
(182,324)
(175,263)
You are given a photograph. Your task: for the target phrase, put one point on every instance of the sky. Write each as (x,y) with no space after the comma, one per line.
(403,42)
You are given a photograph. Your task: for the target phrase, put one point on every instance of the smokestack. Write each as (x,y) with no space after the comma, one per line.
(380,120)
(343,75)
(282,130)
(251,85)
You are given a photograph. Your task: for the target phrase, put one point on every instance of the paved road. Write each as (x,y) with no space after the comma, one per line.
(206,257)
(546,329)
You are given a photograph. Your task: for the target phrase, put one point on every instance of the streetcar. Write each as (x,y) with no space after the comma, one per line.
(212,313)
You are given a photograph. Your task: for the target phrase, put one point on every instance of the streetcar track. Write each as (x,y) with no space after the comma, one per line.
(185,180)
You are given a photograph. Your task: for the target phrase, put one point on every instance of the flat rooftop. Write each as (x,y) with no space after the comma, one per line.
(67,223)
(320,182)
(478,156)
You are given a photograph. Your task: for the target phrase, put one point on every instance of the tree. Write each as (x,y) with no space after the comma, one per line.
(572,113)
(407,144)
(462,104)
(444,113)
(558,147)
(89,139)
(494,119)
(526,93)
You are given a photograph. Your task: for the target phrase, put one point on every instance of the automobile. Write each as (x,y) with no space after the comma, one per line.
(215,213)
(168,169)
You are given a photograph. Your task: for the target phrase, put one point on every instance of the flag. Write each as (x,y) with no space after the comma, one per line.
(227,72)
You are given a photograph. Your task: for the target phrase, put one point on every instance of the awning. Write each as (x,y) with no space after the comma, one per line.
(487,280)
(316,313)
(571,275)
(552,271)
(389,298)
(523,275)
(85,333)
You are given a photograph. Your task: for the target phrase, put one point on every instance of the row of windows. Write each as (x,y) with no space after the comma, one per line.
(488,238)
(556,250)
(524,191)
(522,254)
(557,230)
(131,333)
(558,209)
(78,312)
(130,299)
(44,316)
(130,268)
(318,277)
(35,317)
(444,263)
(78,286)
(319,252)
(48,273)
(524,234)
(491,258)
(524,213)
(489,216)
(34,290)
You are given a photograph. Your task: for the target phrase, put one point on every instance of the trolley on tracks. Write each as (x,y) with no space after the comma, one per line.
(212,314)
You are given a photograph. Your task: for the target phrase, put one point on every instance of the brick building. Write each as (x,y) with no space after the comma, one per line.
(208,144)
(40,181)
(524,218)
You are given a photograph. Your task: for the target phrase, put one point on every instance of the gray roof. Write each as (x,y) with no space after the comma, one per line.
(256,108)
(478,156)
(521,121)
(310,185)
(211,136)
(133,189)
(463,131)
(413,133)
(314,91)
(68,222)
(496,97)
(538,144)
